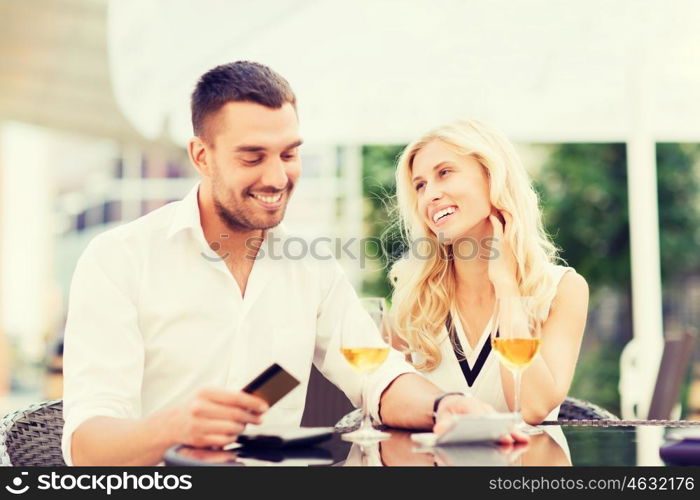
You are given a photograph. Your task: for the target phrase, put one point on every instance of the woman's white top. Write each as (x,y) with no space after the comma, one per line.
(487,385)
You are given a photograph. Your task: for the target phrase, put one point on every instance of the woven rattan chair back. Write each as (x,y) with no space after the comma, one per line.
(577,409)
(31,436)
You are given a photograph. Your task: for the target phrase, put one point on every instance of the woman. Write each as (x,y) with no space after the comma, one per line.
(463,192)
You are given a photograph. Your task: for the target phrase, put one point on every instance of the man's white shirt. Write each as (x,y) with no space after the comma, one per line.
(155,316)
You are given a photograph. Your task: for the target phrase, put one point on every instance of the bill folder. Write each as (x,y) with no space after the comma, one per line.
(284,437)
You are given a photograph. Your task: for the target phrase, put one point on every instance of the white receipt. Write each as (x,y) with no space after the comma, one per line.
(470,429)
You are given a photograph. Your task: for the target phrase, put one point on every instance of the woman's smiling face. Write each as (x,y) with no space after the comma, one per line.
(452,191)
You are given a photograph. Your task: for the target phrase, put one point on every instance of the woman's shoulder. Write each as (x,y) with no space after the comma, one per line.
(558,270)
(570,284)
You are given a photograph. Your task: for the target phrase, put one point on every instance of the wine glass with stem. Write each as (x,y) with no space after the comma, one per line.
(366,348)
(516,337)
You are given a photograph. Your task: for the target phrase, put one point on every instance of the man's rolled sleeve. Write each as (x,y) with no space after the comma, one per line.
(394,366)
(341,314)
(103,347)
(78,415)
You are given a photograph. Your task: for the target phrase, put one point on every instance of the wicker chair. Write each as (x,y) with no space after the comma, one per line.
(349,422)
(32,436)
(577,409)
(570,409)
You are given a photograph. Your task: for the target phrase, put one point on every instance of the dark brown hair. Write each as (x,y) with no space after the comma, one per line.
(240,81)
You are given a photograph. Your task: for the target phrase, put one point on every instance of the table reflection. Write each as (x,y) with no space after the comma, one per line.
(563,446)
(185,455)
(547,449)
(208,456)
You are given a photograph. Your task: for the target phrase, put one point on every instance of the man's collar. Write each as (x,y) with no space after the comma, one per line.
(186,213)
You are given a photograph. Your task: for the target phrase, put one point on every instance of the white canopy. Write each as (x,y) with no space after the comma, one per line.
(382,71)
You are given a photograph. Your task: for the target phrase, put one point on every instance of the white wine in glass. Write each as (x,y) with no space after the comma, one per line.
(366,351)
(516,338)
(516,354)
(365,359)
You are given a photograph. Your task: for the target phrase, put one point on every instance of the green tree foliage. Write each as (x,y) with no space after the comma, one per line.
(379,189)
(679,213)
(583,190)
(583,194)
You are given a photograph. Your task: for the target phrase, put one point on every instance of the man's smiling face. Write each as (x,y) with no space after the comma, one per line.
(255,163)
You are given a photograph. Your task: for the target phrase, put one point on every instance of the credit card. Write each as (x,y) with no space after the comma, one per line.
(272,384)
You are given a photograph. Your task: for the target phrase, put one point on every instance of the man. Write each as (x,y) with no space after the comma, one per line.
(160,335)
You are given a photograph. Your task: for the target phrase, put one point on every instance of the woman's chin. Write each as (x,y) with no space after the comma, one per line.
(449,235)
(446,236)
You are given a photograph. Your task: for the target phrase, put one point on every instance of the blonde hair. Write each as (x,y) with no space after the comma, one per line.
(424,288)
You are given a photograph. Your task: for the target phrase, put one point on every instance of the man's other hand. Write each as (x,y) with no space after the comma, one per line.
(215,417)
